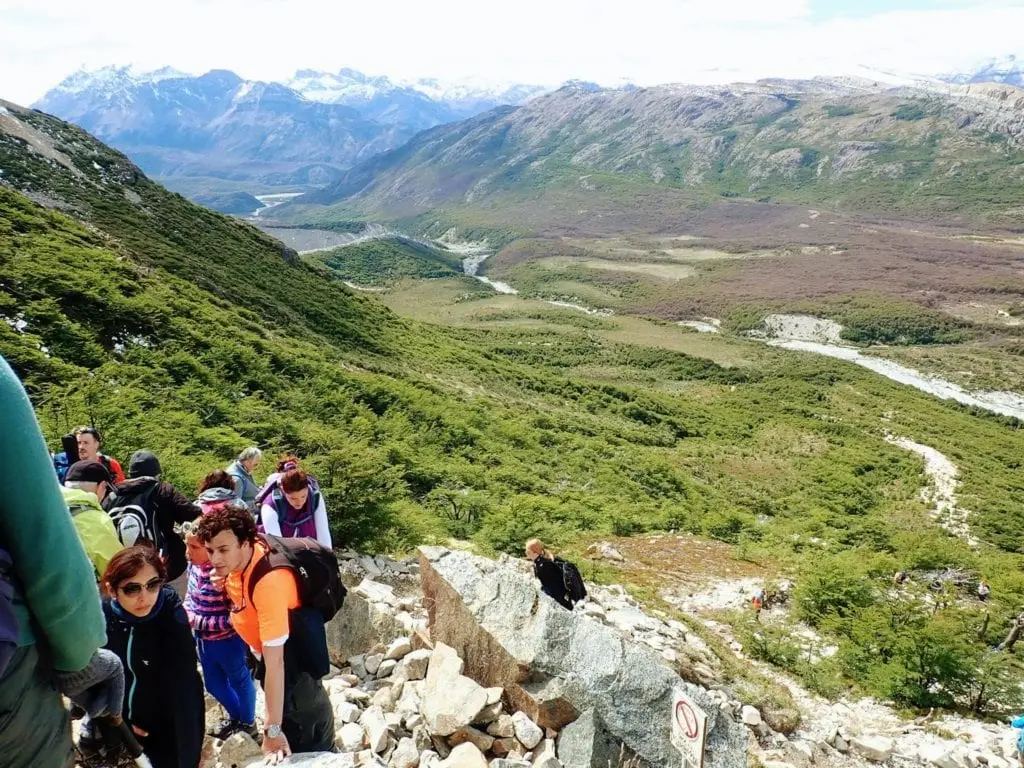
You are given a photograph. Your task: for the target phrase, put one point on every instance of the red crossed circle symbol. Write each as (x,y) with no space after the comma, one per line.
(686,718)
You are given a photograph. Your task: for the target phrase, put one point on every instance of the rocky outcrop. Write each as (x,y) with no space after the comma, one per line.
(549,659)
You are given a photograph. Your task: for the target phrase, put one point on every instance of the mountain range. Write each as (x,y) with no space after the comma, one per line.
(220,127)
(839,142)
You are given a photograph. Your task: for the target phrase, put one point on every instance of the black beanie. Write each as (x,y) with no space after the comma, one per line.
(143,464)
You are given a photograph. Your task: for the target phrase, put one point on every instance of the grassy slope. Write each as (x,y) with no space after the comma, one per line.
(379,262)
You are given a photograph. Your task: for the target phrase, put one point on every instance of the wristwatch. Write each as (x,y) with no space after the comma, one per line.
(273,731)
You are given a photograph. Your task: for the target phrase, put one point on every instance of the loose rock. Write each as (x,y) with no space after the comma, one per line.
(465,756)
(398,649)
(527,731)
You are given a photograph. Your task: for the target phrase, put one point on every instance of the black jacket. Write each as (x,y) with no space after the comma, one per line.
(163,690)
(169,507)
(552,580)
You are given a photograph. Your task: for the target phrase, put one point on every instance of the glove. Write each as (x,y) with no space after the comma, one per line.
(99,688)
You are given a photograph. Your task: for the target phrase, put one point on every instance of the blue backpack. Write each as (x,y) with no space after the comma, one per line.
(8,620)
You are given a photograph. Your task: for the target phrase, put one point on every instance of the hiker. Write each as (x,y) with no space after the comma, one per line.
(62,460)
(984,590)
(222,653)
(296,508)
(88,483)
(269,617)
(1018,722)
(149,631)
(215,490)
(51,624)
(241,470)
(145,509)
(89,442)
(559,579)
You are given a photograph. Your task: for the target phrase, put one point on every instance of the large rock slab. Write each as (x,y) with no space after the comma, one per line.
(450,700)
(509,635)
(586,743)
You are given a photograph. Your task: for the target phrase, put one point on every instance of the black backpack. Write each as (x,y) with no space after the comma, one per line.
(134,516)
(573,581)
(316,570)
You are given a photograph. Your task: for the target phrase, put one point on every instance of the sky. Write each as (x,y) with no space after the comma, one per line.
(545,42)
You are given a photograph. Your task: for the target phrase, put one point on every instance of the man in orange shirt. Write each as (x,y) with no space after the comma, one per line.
(299,717)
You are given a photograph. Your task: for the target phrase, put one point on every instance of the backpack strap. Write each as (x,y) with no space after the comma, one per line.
(272,561)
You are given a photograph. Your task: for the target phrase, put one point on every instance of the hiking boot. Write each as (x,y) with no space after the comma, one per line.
(236,726)
(221,730)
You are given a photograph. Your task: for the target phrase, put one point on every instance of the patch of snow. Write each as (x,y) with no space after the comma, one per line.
(579,308)
(364,288)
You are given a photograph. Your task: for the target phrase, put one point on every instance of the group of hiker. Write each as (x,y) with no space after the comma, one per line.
(238,583)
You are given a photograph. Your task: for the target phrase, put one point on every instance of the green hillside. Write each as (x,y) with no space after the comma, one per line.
(380,262)
(183,331)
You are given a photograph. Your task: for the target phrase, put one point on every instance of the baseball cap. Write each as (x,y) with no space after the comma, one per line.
(88,472)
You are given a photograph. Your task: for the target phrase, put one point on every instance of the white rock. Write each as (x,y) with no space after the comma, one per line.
(386,668)
(394,720)
(415,664)
(373,662)
(877,749)
(593,609)
(544,756)
(507,762)
(465,756)
(841,744)
(239,749)
(358,666)
(429,758)
(413,721)
(350,737)
(750,716)
(399,649)
(670,655)
(345,712)
(376,592)
(527,731)
(630,619)
(502,728)
(376,727)
(449,699)
(405,755)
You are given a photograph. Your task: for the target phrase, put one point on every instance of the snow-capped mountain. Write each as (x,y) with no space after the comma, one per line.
(1006,69)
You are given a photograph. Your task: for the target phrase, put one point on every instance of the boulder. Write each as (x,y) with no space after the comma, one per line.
(511,636)
(405,755)
(415,664)
(527,731)
(358,626)
(386,668)
(877,749)
(476,737)
(429,759)
(398,649)
(373,662)
(345,712)
(376,592)
(450,700)
(376,727)
(586,743)
(465,756)
(387,697)
(547,704)
(239,749)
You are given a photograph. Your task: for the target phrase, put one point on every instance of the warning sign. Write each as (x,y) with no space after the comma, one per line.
(689,729)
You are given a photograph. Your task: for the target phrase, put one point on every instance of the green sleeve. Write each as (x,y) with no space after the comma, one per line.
(55,576)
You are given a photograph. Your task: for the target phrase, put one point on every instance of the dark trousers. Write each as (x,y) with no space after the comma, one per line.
(35,731)
(308,721)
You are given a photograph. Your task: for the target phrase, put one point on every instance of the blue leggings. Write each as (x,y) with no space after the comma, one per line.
(227,677)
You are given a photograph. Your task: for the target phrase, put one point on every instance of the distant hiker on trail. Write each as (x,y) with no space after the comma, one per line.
(270,617)
(984,590)
(559,579)
(145,509)
(296,508)
(51,624)
(222,653)
(149,631)
(241,470)
(759,601)
(82,493)
(89,442)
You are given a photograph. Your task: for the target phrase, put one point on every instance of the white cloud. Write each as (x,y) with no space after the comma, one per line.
(546,41)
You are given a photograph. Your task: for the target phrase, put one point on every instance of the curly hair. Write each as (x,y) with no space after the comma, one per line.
(230,518)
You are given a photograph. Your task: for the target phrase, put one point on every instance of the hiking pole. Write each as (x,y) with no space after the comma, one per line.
(132,744)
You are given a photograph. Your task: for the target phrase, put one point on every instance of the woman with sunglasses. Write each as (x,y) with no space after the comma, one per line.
(149,631)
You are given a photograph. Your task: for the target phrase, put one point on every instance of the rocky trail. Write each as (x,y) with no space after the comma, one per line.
(456,661)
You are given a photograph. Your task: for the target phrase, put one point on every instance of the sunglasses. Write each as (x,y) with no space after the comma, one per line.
(134,589)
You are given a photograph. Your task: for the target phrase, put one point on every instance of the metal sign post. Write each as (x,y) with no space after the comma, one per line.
(689,730)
